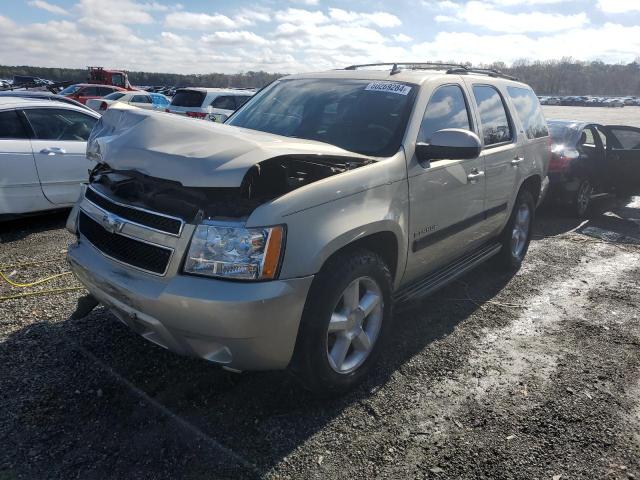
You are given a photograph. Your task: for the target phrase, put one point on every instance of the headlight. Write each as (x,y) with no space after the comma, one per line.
(235,252)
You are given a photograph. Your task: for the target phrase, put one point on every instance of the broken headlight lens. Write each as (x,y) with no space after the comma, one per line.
(235,252)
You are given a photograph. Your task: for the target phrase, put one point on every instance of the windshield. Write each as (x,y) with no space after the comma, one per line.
(358,115)
(117,79)
(114,96)
(70,90)
(188,98)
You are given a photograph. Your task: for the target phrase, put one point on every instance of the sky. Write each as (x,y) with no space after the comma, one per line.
(286,36)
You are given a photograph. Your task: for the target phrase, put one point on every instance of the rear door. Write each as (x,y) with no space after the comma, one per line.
(59,148)
(623,158)
(500,151)
(20,190)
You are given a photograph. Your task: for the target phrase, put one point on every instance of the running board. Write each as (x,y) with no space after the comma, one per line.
(441,277)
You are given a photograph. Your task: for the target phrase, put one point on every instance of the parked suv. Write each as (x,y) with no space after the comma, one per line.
(215,104)
(284,237)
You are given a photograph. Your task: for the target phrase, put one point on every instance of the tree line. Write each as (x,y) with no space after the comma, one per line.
(550,77)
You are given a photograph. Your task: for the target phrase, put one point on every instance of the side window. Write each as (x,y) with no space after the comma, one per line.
(529,112)
(224,102)
(629,139)
(241,100)
(493,115)
(89,92)
(141,99)
(586,138)
(446,109)
(11,126)
(603,138)
(59,124)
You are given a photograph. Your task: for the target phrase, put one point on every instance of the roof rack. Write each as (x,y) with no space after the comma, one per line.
(395,66)
(452,68)
(491,72)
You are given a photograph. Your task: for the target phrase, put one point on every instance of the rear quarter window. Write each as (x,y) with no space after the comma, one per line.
(529,112)
(188,98)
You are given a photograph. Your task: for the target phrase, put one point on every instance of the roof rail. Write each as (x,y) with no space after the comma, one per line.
(395,66)
(491,72)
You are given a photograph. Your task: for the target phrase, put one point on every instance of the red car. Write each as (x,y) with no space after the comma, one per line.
(81,92)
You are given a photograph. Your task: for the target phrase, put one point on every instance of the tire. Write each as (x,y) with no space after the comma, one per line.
(316,360)
(582,199)
(513,251)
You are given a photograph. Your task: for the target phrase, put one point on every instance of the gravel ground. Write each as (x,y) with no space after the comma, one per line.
(532,376)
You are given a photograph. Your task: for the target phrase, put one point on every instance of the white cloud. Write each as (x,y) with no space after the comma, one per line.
(242,38)
(306,2)
(401,37)
(619,6)
(610,42)
(378,19)
(248,17)
(301,17)
(197,21)
(482,15)
(49,7)
(446,19)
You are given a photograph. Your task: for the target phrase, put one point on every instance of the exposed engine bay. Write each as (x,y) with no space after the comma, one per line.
(264,181)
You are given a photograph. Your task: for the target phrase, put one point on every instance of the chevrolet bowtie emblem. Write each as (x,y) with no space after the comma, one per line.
(112,223)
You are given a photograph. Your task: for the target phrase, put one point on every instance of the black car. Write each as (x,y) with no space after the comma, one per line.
(589,160)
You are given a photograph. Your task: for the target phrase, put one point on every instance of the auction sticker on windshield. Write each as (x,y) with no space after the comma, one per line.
(391,87)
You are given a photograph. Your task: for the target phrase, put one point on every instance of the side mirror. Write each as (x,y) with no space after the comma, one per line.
(450,144)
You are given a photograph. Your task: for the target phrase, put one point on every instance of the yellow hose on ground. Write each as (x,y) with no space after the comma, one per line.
(41,292)
(32,284)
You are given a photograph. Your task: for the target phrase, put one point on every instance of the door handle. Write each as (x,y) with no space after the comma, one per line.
(517,161)
(474,176)
(53,151)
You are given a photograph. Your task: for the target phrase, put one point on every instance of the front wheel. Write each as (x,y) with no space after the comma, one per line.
(345,323)
(516,235)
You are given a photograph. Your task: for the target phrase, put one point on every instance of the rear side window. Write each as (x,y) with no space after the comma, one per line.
(89,92)
(59,124)
(529,112)
(224,102)
(447,108)
(102,91)
(141,99)
(629,139)
(493,115)
(188,98)
(11,126)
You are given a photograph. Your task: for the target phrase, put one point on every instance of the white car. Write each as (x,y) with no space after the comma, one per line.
(141,99)
(214,104)
(42,153)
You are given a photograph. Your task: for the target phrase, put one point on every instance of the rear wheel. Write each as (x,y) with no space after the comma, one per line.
(516,235)
(582,200)
(345,323)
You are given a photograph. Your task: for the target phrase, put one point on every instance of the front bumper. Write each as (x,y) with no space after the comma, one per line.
(241,325)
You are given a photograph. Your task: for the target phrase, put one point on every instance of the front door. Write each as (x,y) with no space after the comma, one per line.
(623,158)
(20,190)
(446,196)
(59,147)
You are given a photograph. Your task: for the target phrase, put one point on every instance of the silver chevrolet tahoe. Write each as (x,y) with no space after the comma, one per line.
(283,238)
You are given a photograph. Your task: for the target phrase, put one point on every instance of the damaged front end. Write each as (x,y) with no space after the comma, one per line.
(263,182)
(196,170)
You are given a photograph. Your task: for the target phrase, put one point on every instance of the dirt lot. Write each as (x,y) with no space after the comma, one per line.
(606,116)
(534,376)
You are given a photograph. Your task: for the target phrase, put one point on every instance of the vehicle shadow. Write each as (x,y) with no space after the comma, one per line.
(618,215)
(67,416)
(18,228)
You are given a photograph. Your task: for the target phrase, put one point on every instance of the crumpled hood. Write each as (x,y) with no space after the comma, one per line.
(196,153)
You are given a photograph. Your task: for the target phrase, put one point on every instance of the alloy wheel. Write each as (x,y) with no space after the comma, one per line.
(355,325)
